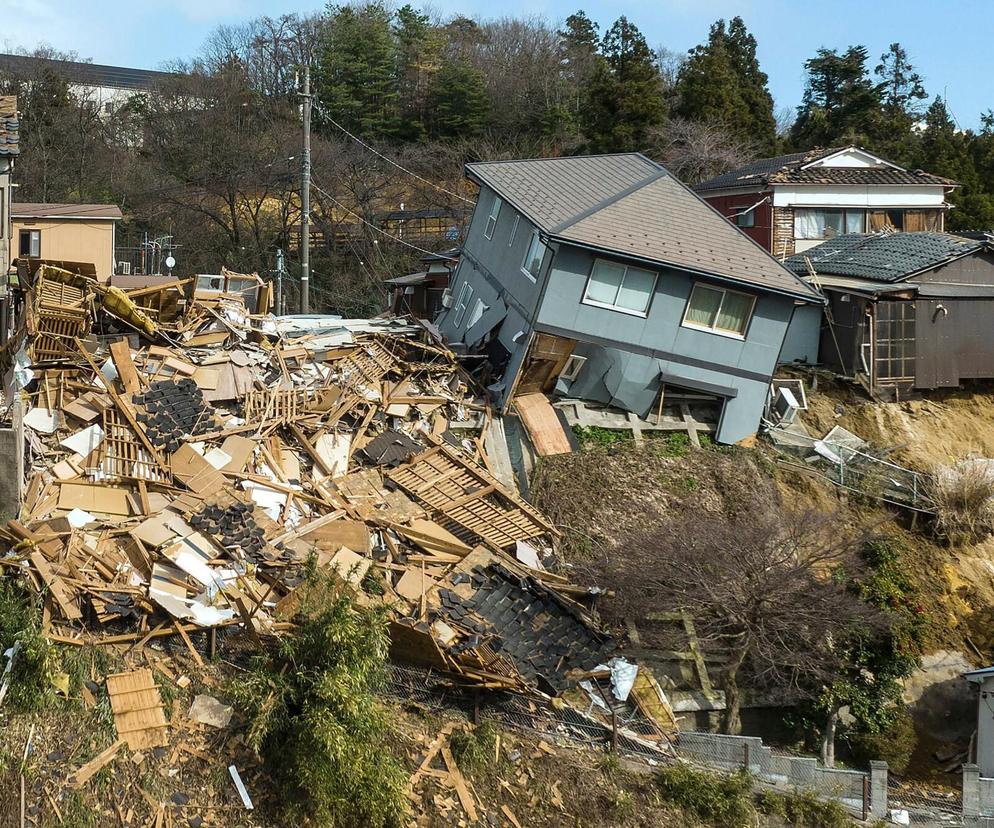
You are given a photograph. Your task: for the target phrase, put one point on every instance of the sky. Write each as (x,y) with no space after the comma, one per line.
(949,43)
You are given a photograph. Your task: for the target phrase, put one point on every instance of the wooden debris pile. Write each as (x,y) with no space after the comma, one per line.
(188,455)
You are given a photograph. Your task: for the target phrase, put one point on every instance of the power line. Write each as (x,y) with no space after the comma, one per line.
(370,224)
(439,187)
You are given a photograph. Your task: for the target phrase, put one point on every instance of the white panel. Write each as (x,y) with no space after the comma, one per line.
(841,195)
(851,159)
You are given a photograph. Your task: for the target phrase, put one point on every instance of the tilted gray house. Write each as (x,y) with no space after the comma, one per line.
(605,279)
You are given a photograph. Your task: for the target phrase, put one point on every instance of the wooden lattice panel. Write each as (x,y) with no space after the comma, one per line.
(469,497)
(123,456)
(274,406)
(137,708)
(366,365)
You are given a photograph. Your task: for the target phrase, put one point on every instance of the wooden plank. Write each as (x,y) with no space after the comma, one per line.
(120,353)
(137,706)
(691,425)
(542,424)
(96,764)
(54,583)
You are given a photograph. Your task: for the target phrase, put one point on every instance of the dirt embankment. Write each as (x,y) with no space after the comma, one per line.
(937,430)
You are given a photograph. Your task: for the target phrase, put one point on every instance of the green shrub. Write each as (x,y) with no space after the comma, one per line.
(20,620)
(676,444)
(475,750)
(724,801)
(805,810)
(894,744)
(313,717)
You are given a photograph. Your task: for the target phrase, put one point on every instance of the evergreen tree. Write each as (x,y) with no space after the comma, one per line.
(946,152)
(419,54)
(579,58)
(625,94)
(358,78)
(459,100)
(841,103)
(902,108)
(721,82)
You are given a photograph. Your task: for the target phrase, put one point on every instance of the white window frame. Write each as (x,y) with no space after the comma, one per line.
(34,251)
(488,231)
(534,238)
(595,303)
(745,216)
(710,328)
(571,370)
(514,230)
(462,303)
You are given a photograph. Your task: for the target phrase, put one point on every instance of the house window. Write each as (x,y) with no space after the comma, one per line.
(721,311)
(462,302)
(745,216)
(571,370)
(514,230)
(492,218)
(533,258)
(476,314)
(827,223)
(30,244)
(620,287)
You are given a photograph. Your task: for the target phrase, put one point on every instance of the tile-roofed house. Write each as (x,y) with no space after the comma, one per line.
(604,278)
(793,202)
(882,257)
(906,310)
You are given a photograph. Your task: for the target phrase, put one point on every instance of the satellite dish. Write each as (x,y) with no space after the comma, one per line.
(170,262)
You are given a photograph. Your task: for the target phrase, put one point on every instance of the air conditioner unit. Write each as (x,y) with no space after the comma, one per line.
(785,406)
(124,268)
(447,298)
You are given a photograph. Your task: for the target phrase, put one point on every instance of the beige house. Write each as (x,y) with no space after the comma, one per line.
(66,232)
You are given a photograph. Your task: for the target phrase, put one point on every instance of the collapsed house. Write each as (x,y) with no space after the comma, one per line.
(604,279)
(189,457)
(905,310)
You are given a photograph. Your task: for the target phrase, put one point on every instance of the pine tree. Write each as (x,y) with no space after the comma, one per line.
(459,100)
(625,94)
(721,82)
(841,103)
(358,79)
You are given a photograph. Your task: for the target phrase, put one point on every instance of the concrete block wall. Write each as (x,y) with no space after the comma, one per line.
(851,788)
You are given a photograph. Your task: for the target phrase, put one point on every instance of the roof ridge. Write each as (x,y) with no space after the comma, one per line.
(607,202)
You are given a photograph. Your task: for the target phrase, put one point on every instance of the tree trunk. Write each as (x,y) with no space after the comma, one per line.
(731,721)
(828,739)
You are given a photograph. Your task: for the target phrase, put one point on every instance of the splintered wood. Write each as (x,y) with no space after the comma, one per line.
(137,707)
(469,497)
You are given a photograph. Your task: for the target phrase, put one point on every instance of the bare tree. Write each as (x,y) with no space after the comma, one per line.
(761,588)
(695,151)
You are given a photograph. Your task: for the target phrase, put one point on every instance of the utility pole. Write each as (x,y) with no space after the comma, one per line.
(305,200)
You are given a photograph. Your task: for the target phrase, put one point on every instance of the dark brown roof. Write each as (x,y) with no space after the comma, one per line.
(790,169)
(65,211)
(9,141)
(630,206)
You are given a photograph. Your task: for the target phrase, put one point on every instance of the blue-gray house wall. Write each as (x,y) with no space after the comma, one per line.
(803,335)
(639,353)
(628,356)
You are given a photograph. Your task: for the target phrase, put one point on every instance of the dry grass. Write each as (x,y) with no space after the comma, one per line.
(964,501)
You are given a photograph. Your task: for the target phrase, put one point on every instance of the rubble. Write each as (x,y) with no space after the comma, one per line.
(190,456)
